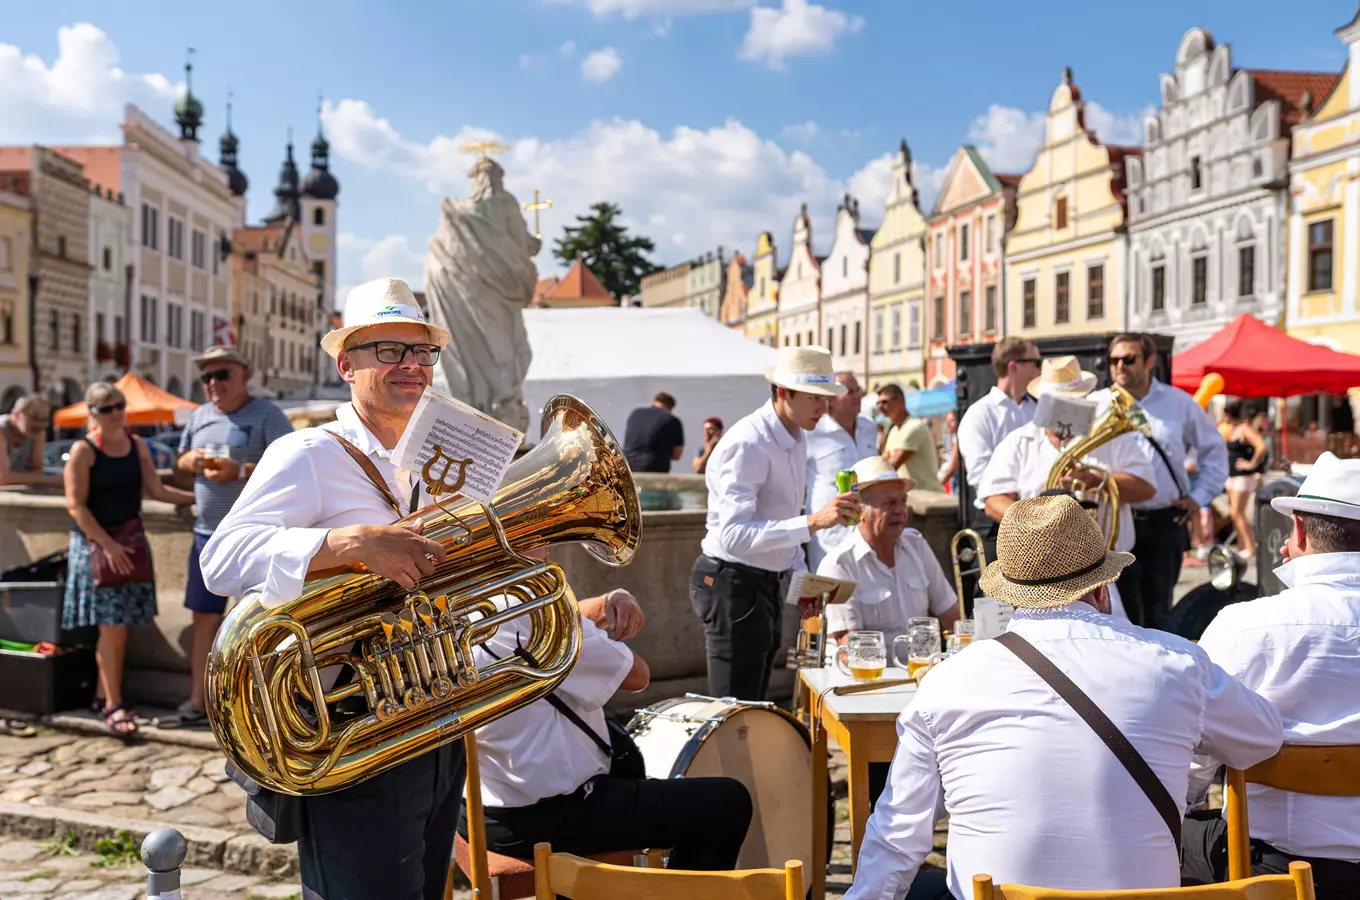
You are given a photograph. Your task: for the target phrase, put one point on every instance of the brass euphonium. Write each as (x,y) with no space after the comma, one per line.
(416,683)
(1122,417)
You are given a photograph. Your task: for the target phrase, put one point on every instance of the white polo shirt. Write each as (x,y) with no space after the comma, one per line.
(885,598)
(832,449)
(983,426)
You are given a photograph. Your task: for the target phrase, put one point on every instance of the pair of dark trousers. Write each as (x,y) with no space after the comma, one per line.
(387,838)
(1204,860)
(1147,585)
(702,821)
(742,611)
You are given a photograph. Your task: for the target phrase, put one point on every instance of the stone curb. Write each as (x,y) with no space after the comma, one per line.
(210,848)
(91,724)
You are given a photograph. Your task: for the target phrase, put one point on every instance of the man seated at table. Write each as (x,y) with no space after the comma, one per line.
(1033,795)
(1299,649)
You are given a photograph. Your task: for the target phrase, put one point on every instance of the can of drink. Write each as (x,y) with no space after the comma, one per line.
(845,483)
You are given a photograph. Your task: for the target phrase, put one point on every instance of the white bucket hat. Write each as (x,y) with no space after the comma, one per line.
(805,369)
(1063,375)
(1331,489)
(380,302)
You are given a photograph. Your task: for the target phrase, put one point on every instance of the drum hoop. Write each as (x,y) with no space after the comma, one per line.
(704,732)
(644,716)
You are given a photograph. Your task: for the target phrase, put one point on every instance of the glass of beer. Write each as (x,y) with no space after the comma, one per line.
(214,455)
(964,630)
(864,656)
(923,646)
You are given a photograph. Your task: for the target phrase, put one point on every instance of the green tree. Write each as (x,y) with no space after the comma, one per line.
(615,257)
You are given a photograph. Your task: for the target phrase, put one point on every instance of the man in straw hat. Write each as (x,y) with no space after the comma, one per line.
(309,506)
(1299,649)
(1034,795)
(757,526)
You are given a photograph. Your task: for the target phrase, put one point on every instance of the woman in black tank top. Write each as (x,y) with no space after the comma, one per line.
(106,477)
(1247,452)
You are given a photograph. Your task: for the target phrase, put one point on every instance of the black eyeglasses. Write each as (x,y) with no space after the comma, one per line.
(111,407)
(1032,361)
(1130,360)
(394,353)
(215,375)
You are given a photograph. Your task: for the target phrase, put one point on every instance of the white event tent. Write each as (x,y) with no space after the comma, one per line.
(617,358)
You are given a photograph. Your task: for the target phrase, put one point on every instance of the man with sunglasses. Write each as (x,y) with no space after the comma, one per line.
(1179,427)
(218,450)
(310,506)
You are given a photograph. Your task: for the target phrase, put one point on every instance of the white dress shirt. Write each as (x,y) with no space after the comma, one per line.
(1181,429)
(304,485)
(885,598)
(757,482)
(1301,649)
(536,752)
(983,426)
(832,449)
(1033,795)
(1024,458)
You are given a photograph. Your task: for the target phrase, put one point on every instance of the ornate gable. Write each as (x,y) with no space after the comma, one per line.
(967,180)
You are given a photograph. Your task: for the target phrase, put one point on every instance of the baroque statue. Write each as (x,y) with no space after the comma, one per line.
(479,276)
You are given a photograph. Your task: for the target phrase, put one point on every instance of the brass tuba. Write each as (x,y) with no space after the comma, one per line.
(1122,417)
(416,684)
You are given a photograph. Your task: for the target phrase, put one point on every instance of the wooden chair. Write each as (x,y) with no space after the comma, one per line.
(1297,885)
(1301,768)
(586,879)
(505,877)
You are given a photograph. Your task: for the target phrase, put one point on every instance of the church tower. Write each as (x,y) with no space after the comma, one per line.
(236,179)
(318,212)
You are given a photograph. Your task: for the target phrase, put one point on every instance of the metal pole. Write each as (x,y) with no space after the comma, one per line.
(163,852)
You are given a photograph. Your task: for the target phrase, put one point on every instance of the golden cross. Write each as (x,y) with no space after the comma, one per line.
(536,206)
(483,148)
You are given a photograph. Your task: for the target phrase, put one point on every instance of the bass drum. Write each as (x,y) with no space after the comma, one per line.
(760,745)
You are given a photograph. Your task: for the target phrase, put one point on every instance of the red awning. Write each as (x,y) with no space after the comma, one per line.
(1256,360)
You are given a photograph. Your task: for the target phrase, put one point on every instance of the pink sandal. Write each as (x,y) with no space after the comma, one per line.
(121,720)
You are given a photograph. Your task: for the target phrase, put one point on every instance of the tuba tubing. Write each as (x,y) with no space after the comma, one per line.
(416,684)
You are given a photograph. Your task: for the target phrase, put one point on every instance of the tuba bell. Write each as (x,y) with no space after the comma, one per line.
(416,685)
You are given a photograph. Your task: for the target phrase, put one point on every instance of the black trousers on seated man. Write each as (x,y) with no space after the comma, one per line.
(1146,586)
(702,821)
(742,611)
(1204,860)
(387,838)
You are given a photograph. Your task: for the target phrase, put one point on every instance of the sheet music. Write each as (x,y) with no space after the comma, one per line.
(470,449)
(992,617)
(806,585)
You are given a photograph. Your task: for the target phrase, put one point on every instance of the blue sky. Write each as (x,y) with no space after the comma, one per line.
(707,120)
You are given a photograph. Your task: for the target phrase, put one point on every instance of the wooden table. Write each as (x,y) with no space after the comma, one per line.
(865,727)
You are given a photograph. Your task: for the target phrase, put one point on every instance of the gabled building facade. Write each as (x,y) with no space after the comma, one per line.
(845,292)
(16,228)
(762,301)
(964,247)
(1208,198)
(1066,253)
(1324,220)
(110,297)
(897,285)
(705,288)
(800,290)
(736,288)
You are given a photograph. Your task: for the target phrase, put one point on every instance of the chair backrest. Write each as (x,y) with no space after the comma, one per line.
(583,879)
(1300,768)
(1297,885)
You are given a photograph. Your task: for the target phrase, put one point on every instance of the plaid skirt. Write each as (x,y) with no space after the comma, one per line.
(129,603)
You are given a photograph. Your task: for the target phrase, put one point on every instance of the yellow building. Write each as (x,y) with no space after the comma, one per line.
(1066,255)
(897,285)
(16,226)
(762,303)
(1324,217)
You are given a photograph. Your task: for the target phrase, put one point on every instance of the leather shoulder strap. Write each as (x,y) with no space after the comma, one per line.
(1106,730)
(369,469)
(1167,462)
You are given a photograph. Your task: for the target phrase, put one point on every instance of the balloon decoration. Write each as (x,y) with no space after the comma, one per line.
(1210,386)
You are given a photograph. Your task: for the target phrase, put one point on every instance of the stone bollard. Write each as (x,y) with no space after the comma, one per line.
(162,853)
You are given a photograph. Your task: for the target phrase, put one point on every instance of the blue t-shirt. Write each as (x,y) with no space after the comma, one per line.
(247,431)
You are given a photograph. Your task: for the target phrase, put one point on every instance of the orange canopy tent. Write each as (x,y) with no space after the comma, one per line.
(146,405)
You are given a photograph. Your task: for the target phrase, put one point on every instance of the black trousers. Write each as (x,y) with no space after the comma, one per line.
(1204,860)
(702,821)
(1147,585)
(742,610)
(388,838)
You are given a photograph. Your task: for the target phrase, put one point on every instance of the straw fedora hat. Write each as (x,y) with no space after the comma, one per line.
(805,369)
(380,302)
(874,470)
(1049,553)
(218,353)
(1063,375)
(1331,489)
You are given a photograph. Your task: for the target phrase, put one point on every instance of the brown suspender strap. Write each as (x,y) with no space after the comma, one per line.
(1106,730)
(370,470)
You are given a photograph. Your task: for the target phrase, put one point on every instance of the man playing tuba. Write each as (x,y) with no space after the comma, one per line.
(310,507)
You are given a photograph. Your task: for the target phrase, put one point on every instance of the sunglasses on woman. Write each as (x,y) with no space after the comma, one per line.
(111,407)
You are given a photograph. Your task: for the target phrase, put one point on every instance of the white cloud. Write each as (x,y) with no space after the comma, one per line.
(601,65)
(1112,128)
(1008,138)
(529,60)
(388,257)
(632,9)
(798,28)
(567,49)
(805,132)
(79,98)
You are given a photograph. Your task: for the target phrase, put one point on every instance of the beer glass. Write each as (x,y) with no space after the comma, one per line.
(923,645)
(214,455)
(864,656)
(965,630)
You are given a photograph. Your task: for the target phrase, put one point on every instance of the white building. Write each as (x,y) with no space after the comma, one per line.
(1208,200)
(111,251)
(800,291)
(845,293)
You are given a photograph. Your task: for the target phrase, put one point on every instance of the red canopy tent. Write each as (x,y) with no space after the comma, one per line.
(1256,360)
